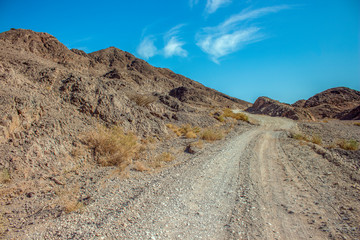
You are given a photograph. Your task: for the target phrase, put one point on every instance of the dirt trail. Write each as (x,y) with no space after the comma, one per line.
(244,188)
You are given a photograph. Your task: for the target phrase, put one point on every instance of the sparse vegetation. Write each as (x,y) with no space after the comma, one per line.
(316,139)
(142,100)
(112,146)
(299,136)
(187,130)
(348,144)
(212,135)
(190,134)
(228,113)
(5,176)
(160,159)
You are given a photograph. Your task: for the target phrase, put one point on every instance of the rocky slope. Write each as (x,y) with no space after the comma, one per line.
(340,103)
(50,97)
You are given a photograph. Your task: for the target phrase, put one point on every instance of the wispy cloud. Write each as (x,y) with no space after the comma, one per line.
(173,45)
(213,5)
(147,48)
(231,35)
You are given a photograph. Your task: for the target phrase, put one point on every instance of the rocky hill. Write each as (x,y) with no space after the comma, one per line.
(339,103)
(51,97)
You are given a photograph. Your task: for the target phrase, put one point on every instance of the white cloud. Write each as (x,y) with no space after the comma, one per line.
(213,5)
(220,45)
(174,48)
(230,35)
(146,48)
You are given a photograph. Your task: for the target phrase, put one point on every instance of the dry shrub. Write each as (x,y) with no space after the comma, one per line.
(187,130)
(160,159)
(142,100)
(140,166)
(348,144)
(299,136)
(112,146)
(210,134)
(190,134)
(357,124)
(165,157)
(228,113)
(316,139)
(5,176)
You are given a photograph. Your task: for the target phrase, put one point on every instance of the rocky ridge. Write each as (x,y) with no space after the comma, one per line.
(339,103)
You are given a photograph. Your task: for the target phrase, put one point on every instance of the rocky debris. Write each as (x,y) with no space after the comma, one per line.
(264,105)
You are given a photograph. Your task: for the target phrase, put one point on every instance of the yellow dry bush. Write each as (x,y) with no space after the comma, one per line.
(190,134)
(212,134)
(187,130)
(112,146)
(316,139)
(348,144)
(238,116)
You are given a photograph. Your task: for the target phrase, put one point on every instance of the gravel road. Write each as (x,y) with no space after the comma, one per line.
(251,186)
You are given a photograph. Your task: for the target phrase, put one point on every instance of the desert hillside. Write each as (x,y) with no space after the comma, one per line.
(105,146)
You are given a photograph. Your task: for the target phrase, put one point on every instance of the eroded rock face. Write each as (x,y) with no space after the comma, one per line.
(267,106)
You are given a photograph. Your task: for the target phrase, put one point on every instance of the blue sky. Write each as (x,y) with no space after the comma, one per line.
(286,50)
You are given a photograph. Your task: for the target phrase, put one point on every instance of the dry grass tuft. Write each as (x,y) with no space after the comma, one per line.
(212,134)
(299,136)
(348,144)
(140,166)
(190,134)
(112,146)
(316,139)
(187,130)
(142,100)
(228,113)
(158,161)
(5,176)
(357,124)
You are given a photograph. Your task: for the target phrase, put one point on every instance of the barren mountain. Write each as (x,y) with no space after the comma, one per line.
(52,97)
(340,103)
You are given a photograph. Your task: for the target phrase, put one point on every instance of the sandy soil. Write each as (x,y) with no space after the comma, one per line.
(258,184)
